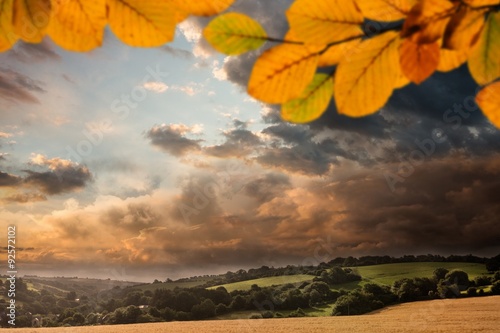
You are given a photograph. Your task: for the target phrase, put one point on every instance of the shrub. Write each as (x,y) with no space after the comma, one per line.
(472,291)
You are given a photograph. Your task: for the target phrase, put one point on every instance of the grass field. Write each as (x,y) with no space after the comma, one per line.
(266,282)
(481,314)
(380,274)
(172,285)
(387,274)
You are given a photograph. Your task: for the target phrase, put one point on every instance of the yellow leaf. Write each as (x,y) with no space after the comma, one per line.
(312,103)
(402,81)
(206,7)
(429,18)
(324,21)
(78,25)
(7,36)
(484,63)
(31,19)
(234,34)
(283,72)
(364,84)
(481,3)
(451,59)
(340,52)
(488,100)
(385,10)
(418,61)
(142,22)
(464,28)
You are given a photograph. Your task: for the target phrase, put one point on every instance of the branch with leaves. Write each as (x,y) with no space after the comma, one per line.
(373,47)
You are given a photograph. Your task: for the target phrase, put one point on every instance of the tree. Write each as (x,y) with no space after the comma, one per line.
(356,41)
(439,273)
(493,264)
(459,278)
(495,288)
(205,309)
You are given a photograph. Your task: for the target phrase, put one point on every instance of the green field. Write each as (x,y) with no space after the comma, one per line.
(388,273)
(266,282)
(385,274)
(174,284)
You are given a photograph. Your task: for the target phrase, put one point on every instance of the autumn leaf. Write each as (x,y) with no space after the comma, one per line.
(339,52)
(78,25)
(365,83)
(142,22)
(31,19)
(481,3)
(488,100)
(464,28)
(234,34)
(451,59)
(418,61)
(429,18)
(402,81)
(283,72)
(206,7)
(312,103)
(7,36)
(385,10)
(484,63)
(324,21)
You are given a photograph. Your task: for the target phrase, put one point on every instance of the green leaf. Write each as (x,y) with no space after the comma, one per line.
(234,34)
(312,103)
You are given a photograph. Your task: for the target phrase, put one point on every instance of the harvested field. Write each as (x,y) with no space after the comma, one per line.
(480,314)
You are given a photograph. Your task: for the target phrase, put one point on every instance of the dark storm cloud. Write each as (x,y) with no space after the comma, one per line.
(59,176)
(58,181)
(18,87)
(8,179)
(446,205)
(171,138)
(239,143)
(267,187)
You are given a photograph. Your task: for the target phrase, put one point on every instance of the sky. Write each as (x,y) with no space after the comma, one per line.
(141,164)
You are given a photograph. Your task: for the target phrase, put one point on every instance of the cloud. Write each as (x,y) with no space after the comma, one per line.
(56,177)
(171,139)
(8,180)
(179,53)
(24,198)
(34,52)
(157,87)
(17,87)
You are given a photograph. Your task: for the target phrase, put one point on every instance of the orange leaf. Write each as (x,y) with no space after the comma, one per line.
(7,36)
(418,61)
(283,72)
(464,28)
(78,25)
(451,59)
(488,100)
(324,21)
(338,53)
(31,19)
(481,3)
(205,7)
(429,18)
(365,82)
(142,23)
(385,10)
